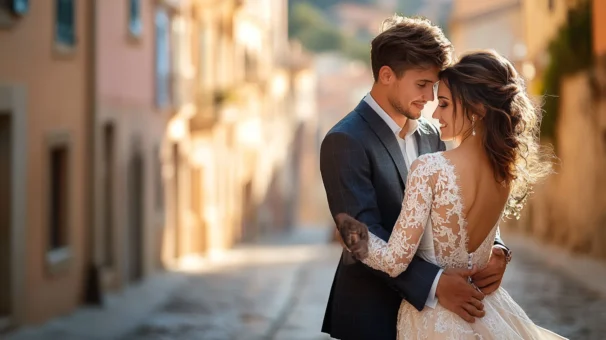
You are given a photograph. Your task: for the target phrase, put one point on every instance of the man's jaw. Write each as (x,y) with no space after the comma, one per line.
(419,105)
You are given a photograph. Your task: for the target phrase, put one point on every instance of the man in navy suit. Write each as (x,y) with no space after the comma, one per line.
(364,161)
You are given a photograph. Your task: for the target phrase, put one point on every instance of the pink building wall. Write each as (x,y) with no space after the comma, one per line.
(56,85)
(125,64)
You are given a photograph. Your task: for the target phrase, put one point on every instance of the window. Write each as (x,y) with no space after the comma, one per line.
(135,26)
(65,31)
(108,193)
(58,202)
(58,197)
(159,192)
(162,24)
(19,7)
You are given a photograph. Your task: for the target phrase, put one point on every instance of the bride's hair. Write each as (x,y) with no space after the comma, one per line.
(487,84)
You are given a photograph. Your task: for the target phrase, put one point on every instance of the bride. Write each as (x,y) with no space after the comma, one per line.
(454,200)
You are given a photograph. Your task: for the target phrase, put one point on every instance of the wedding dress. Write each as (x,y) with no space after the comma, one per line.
(432,225)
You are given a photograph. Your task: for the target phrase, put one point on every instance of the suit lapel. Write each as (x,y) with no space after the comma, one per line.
(422,138)
(386,136)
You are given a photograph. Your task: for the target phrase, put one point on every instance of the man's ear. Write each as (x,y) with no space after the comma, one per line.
(386,75)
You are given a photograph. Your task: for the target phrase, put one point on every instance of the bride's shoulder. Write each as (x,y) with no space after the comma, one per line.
(429,163)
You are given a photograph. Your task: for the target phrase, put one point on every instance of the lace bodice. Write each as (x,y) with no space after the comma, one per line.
(432,201)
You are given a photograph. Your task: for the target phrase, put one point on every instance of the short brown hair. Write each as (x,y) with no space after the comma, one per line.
(406,42)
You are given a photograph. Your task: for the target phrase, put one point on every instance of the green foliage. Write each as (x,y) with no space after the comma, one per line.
(570,52)
(327,4)
(309,23)
(356,49)
(317,33)
(311,27)
(303,15)
(409,7)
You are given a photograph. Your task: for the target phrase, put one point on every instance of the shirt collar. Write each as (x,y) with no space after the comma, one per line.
(413,125)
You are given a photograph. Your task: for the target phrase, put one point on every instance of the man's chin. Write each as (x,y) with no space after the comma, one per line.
(414,115)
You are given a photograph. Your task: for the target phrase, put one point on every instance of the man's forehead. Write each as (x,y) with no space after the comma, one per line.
(424,73)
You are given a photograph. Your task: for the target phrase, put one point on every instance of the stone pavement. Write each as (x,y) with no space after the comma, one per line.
(277,290)
(254,295)
(563,293)
(243,294)
(554,298)
(121,312)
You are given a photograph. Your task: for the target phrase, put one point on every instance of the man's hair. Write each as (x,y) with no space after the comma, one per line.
(408,42)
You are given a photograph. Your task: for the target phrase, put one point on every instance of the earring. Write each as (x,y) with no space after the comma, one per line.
(473,125)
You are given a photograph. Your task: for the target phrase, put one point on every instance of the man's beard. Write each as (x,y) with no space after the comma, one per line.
(401,110)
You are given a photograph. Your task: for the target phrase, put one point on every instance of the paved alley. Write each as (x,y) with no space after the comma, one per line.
(278,290)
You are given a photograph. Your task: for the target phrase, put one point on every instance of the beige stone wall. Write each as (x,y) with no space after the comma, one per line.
(495,25)
(599,27)
(569,209)
(542,23)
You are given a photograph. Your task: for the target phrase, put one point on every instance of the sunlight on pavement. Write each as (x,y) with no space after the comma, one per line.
(254,256)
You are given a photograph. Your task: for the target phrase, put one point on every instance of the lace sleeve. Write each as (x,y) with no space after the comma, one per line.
(393,257)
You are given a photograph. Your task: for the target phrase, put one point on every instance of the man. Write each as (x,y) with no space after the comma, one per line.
(364,161)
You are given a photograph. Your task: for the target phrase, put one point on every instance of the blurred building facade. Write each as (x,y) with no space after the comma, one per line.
(141,134)
(130,118)
(569,208)
(599,29)
(46,103)
(542,21)
(496,24)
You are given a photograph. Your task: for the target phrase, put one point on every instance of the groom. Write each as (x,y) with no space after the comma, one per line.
(364,161)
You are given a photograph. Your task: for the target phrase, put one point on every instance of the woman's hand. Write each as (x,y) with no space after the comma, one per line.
(354,234)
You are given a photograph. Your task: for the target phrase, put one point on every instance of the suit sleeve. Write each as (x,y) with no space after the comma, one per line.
(346,173)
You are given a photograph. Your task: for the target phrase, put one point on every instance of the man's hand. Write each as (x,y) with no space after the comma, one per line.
(458,296)
(354,234)
(489,279)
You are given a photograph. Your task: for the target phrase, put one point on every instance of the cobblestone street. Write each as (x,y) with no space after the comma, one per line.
(286,301)
(555,301)
(278,290)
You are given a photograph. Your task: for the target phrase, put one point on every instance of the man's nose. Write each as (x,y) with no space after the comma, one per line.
(429,95)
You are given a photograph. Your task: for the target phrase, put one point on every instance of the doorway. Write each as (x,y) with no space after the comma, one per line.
(135,217)
(177,202)
(5,218)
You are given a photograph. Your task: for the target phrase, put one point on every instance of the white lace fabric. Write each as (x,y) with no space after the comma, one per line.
(432,201)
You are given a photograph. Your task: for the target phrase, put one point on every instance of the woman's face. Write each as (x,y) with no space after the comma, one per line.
(450,128)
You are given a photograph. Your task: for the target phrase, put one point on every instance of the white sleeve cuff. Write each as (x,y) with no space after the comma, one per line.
(501,246)
(432,301)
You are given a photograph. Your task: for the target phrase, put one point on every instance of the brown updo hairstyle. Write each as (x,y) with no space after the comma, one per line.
(486,84)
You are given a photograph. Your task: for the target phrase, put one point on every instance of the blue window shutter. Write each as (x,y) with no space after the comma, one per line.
(65,30)
(135,25)
(19,7)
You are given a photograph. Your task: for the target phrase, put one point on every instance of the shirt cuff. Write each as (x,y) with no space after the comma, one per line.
(502,247)
(432,301)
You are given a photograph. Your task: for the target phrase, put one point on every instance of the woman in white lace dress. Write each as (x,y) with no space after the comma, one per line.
(454,200)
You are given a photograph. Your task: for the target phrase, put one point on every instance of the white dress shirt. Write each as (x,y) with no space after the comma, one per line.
(408,145)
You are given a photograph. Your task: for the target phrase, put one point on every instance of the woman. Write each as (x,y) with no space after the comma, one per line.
(454,200)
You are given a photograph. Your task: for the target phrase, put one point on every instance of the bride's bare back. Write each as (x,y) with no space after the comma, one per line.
(482,196)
